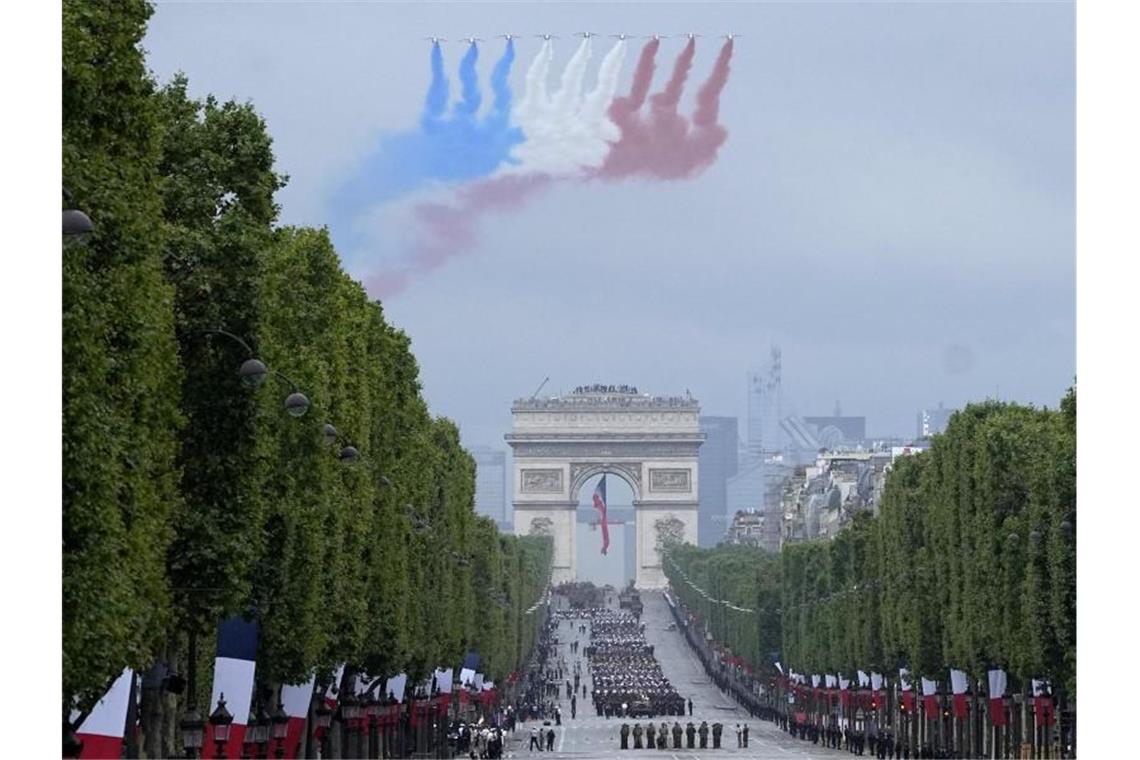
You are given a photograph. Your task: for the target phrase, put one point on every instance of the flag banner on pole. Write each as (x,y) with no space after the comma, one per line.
(815,681)
(234,668)
(1042,703)
(478,683)
(997,680)
(863,679)
(102,730)
(930,696)
(958,686)
(830,681)
(332,691)
(443,680)
(296,699)
(876,681)
(396,686)
(779,668)
(600,505)
(904,679)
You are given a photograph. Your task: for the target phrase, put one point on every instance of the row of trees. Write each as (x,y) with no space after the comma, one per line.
(190,496)
(735,592)
(970,563)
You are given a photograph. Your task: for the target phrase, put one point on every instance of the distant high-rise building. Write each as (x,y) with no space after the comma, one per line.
(933,421)
(765,408)
(837,430)
(718,462)
(490,482)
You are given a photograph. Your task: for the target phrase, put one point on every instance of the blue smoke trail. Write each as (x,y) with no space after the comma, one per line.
(445,147)
(469,79)
(436,100)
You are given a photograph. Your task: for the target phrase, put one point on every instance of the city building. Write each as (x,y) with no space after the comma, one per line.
(933,421)
(837,431)
(718,463)
(765,408)
(747,528)
(490,483)
(818,500)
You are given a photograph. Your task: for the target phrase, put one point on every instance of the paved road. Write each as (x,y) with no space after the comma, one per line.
(590,736)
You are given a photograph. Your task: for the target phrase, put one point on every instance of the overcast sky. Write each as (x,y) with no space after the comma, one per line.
(893,207)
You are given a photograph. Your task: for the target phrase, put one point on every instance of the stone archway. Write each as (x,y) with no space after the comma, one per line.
(650,442)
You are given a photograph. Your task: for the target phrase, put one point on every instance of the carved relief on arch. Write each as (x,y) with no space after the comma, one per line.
(542,526)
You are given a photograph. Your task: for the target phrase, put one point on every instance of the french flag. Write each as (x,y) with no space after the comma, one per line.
(997,679)
(907,691)
(233,677)
(296,699)
(102,730)
(930,697)
(958,686)
(333,689)
(600,505)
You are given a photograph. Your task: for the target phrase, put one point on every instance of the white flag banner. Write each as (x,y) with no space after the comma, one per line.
(815,681)
(844,682)
(478,682)
(958,681)
(488,686)
(997,684)
(109,715)
(863,680)
(779,668)
(444,679)
(904,679)
(1040,688)
(466,676)
(876,681)
(396,685)
(333,689)
(929,688)
(296,698)
(830,681)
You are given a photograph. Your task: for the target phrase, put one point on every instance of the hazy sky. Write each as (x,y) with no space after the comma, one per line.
(893,207)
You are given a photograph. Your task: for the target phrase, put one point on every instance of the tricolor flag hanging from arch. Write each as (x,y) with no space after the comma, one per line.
(600,505)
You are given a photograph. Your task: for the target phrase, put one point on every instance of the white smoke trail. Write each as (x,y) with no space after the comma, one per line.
(568,132)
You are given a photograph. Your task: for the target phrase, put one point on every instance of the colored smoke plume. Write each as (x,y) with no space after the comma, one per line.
(447,230)
(568,131)
(663,144)
(445,146)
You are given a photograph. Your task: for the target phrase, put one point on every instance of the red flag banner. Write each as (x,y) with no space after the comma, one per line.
(600,505)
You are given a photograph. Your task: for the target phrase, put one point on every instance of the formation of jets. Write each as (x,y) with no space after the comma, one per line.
(584,35)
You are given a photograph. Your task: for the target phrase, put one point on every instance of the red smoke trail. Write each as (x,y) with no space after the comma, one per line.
(449,230)
(662,144)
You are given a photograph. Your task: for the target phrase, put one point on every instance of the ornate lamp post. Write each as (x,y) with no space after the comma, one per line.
(193,730)
(372,718)
(280,721)
(220,721)
(350,711)
(324,721)
(261,731)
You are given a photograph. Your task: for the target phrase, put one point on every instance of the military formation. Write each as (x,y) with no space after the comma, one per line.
(627,679)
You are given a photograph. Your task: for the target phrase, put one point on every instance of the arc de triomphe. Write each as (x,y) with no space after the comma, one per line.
(650,442)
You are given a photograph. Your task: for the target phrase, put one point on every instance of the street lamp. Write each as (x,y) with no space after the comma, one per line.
(193,732)
(261,726)
(296,404)
(75,222)
(280,729)
(220,720)
(253,372)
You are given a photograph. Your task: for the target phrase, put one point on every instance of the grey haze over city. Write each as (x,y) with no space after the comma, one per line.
(894,206)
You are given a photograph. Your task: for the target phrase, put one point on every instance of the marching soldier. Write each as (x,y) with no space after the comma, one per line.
(717,728)
(625,736)
(690,733)
(676,735)
(703,731)
(650,741)
(637,736)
